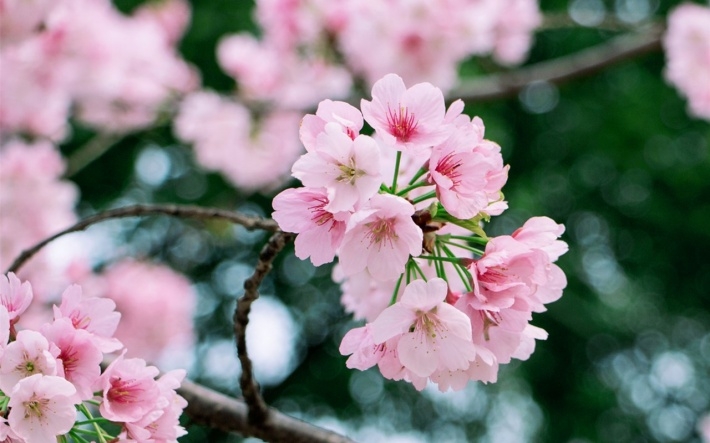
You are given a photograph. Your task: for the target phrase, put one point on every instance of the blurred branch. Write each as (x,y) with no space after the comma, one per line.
(562,20)
(258,411)
(93,149)
(249,222)
(210,408)
(583,63)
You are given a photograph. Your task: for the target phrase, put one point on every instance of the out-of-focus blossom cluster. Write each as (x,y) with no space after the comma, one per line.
(254,155)
(52,384)
(311,46)
(85,59)
(704,428)
(443,302)
(687,48)
(140,290)
(36,203)
(310,50)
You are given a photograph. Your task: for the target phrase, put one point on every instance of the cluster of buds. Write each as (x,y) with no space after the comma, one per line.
(52,387)
(443,302)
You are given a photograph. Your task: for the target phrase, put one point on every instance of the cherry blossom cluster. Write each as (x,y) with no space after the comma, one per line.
(403,210)
(85,58)
(312,47)
(310,50)
(52,384)
(687,48)
(36,203)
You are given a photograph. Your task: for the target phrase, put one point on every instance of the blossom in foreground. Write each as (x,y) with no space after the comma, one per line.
(42,408)
(320,231)
(15,296)
(444,303)
(380,238)
(349,169)
(432,334)
(407,119)
(687,48)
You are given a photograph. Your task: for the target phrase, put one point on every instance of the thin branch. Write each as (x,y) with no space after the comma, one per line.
(210,408)
(562,20)
(249,222)
(563,69)
(93,149)
(258,411)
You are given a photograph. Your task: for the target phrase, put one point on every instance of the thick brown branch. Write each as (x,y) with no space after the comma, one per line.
(258,411)
(563,69)
(210,408)
(249,222)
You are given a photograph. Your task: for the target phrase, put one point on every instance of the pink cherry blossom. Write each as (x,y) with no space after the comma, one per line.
(162,424)
(542,233)
(380,238)
(467,178)
(360,345)
(42,408)
(15,296)
(348,116)
(517,20)
(28,355)
(129,390)
(687,48)
(79,357)
(266,72)
(408,119)
(364,296)
(221,130)
(140,290)
(172,16)
(320,232)
(349,169)
(433,334)
(36,203)
(4,329)
(95,315)
(704,428)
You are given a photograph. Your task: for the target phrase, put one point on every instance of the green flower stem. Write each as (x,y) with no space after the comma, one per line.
(92,420)
(479,240)
(419,173)
(416,267)
(411,187)
(424,197)
(439,266)
(76,437)
(463,273)
(462,246)
(100,433)
(396,172)
(437,258)
(393,300)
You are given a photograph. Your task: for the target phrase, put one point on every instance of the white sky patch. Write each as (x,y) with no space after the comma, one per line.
(272,337)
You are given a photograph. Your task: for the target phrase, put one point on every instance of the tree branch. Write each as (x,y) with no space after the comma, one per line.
(249,222)
(258,411)
(563,69)
(210,408)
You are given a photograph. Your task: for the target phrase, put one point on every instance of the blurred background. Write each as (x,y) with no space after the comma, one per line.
(614,157)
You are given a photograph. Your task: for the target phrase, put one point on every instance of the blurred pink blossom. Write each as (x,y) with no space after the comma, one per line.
(687,47)
(252,155)
(142,289)
(35,204)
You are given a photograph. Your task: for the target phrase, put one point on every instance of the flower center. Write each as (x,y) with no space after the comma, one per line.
(349,173)
(381,231)
(319,215)
(401,123)
(448,166)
